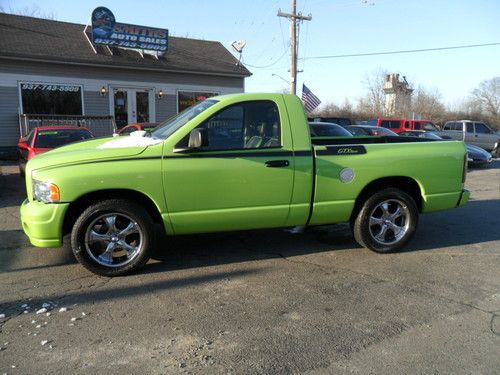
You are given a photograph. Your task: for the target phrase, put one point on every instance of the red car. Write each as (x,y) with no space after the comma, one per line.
(400,125)
(147,126)
(45,138)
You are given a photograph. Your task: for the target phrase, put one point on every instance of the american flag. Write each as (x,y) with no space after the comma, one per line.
(310,100)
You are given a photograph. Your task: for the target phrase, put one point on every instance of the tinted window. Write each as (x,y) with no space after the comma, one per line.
(48,99)
(448,126)
(356,130)
(325,130)
(482,129)
(244,125)
(390,124)
(429,126)
(56,138)
(470,127)
(379,132)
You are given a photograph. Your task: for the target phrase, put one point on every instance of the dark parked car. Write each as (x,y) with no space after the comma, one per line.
(476,156)
(327,129)
(342,121)
(46,138)
(370,130)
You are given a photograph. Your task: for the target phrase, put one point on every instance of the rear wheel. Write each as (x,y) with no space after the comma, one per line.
(387,221)
(113,237)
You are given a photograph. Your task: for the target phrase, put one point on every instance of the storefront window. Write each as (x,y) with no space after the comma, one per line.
(186,99)
(51,99)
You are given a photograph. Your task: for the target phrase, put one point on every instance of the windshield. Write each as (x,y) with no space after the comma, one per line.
(168,127)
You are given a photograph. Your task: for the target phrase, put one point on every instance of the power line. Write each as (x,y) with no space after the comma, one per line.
(266,66)
(399,52)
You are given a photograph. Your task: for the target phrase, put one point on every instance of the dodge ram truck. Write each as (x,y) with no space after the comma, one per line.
(235,162)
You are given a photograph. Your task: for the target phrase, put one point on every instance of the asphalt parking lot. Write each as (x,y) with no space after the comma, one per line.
(262,302)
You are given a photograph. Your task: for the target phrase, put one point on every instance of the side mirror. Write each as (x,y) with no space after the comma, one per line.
(198,138)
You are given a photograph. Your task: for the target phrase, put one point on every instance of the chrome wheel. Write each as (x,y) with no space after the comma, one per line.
(113,239)
(389,222)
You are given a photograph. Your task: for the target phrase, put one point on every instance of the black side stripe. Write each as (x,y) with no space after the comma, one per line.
(112,160)
(203,155)
(241,154)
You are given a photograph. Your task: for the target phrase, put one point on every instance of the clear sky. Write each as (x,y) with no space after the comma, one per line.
(337,27)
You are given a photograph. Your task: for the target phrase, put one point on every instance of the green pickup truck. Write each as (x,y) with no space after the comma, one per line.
(234,162)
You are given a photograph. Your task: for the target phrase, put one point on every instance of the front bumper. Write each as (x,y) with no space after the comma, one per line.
(464,197)
(43,222)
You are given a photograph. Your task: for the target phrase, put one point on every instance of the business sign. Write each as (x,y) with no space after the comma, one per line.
(106,31)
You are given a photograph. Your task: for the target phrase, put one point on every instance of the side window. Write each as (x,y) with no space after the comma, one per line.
(429,126)
(248,125)
(407,125)
(447,126)
(470,127)
(481,128)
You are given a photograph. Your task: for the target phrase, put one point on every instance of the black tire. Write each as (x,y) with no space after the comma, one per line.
(89,251)
(368,227)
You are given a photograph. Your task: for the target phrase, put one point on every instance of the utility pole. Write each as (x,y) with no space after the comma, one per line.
(294,18)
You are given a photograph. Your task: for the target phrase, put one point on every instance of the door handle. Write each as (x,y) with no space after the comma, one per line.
(277,163)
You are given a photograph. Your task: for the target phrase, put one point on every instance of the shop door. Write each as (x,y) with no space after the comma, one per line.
(132,106)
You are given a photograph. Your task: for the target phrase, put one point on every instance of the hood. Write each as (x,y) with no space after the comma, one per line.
(94,149)
(475,150)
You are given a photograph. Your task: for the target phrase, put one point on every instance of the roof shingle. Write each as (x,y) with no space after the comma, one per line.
(41,39)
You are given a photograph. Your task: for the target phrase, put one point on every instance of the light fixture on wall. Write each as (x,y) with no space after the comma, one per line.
(103,91)
(160,94)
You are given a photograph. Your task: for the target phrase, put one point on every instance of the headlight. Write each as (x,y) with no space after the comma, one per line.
(45,192)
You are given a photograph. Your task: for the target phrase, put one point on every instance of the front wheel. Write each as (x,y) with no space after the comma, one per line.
(387,221)
(113,237)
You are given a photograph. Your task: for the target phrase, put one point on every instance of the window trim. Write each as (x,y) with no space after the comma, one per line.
(21,106)
(201,150)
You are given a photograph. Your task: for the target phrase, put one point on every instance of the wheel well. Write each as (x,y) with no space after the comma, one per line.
(406,184)
(78,206)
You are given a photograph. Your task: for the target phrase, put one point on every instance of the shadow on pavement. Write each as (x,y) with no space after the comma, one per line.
(125,291)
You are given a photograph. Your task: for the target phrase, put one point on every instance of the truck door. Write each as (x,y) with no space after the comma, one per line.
(242,179)
(483,136)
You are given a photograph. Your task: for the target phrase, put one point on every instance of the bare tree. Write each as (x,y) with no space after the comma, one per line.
(374,101)
(428,104)
(488,96)
(33,11)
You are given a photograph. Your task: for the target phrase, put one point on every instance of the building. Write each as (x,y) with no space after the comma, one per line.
(51,68)
(397,95)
